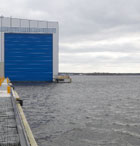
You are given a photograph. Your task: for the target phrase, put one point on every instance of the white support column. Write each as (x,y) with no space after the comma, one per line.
(56,51)
(1,49)
(2,46)
(0,40)
(2,55)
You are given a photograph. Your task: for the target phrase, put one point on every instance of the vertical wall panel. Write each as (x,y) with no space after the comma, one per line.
(29,57)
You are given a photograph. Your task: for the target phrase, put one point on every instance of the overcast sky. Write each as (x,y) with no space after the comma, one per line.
(95,35)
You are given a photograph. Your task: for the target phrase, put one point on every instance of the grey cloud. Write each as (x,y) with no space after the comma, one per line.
(90,20)
(132,59)
(101,61)
(124,48)
(83,59)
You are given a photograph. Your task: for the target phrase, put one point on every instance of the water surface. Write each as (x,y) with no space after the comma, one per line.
(90,111)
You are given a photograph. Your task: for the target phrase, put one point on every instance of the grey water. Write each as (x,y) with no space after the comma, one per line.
(90,111)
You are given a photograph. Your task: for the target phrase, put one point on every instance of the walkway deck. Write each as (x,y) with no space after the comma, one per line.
(14,128)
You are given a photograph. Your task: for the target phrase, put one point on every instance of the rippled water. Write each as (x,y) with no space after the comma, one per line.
(90,111)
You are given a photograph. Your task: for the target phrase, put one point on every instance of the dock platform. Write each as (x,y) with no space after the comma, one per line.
(14,128)
(63,79)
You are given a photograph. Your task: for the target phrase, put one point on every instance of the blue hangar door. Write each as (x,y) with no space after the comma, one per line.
(29,57)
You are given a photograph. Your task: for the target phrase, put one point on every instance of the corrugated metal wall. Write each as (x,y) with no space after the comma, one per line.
(29,57)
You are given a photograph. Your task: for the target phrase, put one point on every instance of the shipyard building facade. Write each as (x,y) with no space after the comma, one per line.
(28,49)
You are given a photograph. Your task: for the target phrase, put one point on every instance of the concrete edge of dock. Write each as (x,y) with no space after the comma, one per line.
(29,133)
(24,120)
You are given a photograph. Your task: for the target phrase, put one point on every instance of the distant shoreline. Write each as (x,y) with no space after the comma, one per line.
(102,74)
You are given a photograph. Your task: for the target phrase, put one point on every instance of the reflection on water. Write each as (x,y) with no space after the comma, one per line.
(90,111)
